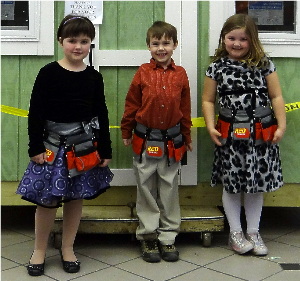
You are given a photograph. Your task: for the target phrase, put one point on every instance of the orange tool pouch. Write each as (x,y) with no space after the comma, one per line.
(51,151)
(268,133)
(177,146)
(158,143)
(265,128)
(82,157)
(138,144)
(176,152)
(154,148)
(223,127)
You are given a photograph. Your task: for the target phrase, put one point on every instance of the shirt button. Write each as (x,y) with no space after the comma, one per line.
(164,87)
(161,122)
(162,105)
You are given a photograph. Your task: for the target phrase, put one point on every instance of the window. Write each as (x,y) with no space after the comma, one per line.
(27,27)
(278,24)
(270,16)
(14,15)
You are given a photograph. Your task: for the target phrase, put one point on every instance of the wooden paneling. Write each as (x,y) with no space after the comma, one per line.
(288,71)
(205,145)
(10,87)
(116,81)
(124,27)
(29,68)
(134,19)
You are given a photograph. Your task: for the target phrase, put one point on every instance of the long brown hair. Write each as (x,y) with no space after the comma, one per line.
(256,55)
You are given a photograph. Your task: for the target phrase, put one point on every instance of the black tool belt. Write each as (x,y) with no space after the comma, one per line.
(78,136)
(239,122)
(158,138)
(156,134)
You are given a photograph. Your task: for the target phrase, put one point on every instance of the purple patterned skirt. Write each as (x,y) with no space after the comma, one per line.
(50,185)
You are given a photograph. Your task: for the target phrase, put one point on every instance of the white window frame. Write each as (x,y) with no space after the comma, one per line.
(38,40)
(281,44)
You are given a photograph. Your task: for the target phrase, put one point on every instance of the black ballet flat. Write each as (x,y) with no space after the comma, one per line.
(36,269)
(70,266)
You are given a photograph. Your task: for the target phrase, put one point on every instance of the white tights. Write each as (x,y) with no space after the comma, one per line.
(253,203)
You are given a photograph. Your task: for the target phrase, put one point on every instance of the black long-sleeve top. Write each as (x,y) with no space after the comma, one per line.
(65,96)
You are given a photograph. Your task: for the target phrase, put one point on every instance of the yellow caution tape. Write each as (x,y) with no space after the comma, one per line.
(292,106)
(14,111)
(197,121)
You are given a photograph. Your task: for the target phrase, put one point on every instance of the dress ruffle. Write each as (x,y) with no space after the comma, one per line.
(50,185)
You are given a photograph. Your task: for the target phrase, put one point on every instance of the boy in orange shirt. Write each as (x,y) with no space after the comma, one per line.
(158,110)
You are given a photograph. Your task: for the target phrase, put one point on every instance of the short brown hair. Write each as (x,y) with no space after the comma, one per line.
(160,29)
(74,25)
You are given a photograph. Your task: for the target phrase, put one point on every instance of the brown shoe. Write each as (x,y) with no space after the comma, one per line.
(150,251)
(169,253)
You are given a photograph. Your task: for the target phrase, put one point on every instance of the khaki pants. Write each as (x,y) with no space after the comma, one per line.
(157,203)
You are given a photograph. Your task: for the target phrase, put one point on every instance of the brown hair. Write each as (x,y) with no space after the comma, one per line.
(256,55)
(73,25)
(160,29)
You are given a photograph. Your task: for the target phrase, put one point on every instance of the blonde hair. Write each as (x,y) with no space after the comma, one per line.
(256,55)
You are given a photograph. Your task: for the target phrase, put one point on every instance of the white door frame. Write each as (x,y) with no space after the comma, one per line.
(183,15)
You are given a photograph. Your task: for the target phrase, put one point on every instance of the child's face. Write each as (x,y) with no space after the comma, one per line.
(76,48)
(237,44)
(162,50)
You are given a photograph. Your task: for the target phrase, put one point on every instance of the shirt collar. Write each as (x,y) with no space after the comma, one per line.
(155,65)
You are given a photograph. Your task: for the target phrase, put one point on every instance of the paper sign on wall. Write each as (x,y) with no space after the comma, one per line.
(90,9)
(267,12)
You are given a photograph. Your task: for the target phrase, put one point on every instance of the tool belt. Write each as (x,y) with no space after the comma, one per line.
(237,125)
(158,143)
(80,142)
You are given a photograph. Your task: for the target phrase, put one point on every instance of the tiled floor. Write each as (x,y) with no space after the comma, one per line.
(117,257)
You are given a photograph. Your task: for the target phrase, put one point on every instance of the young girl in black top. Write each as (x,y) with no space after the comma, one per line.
(67,116)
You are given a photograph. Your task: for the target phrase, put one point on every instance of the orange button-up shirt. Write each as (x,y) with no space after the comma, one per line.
(158,98)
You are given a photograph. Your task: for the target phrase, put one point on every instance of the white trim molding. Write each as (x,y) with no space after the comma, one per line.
(38,39)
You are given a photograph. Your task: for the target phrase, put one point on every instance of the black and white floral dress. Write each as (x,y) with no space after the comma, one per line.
(242,166)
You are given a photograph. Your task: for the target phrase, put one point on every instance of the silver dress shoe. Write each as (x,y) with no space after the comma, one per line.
(259,247)
(239,243)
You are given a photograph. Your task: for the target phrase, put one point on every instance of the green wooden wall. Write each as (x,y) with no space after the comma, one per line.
(124,27)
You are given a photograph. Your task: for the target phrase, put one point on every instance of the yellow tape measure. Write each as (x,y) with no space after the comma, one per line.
(197,121)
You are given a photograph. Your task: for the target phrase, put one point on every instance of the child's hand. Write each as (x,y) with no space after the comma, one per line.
(189,147)
(214,134)
(104,162)
(40,158)
(127,142)
(278,135)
